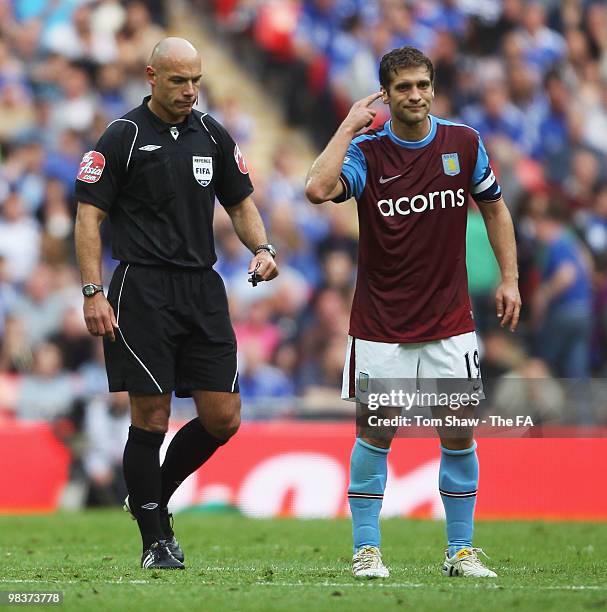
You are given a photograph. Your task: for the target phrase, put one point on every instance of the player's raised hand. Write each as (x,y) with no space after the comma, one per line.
(361,115)
(508,303)
(99,316)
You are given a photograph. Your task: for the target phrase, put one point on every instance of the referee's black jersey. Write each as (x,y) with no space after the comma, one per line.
(158,183)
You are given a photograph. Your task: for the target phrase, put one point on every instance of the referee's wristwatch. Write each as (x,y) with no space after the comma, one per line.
(266,247)
(90,289)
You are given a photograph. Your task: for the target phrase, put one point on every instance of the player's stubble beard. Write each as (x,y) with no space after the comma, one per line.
(410,120)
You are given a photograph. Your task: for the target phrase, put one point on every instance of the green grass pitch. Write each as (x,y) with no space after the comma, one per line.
(235,563)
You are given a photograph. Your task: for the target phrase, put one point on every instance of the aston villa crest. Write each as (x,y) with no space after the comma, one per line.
(451,164)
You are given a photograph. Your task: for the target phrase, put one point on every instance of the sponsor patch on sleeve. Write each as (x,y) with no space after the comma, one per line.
(240,162)
(91,167)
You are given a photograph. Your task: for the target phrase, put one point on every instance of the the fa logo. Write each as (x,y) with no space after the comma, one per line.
(203,169)
(451,164)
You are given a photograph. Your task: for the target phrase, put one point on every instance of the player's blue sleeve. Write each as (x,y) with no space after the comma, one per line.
(485,187)
(353,173)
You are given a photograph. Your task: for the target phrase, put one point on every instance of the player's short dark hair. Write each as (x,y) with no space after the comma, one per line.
(403,57)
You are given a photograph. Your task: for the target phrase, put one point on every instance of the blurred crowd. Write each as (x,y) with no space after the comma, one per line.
(530,76)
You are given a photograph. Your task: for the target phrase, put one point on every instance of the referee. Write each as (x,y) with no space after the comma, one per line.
(165,323)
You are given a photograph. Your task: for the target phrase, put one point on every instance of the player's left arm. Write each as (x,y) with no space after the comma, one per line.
(249,227)
(500,230)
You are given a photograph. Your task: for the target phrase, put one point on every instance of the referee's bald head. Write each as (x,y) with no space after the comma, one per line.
(174,72)
(172,50)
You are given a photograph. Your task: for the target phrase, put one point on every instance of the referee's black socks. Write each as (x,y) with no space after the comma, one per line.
(141,464)
(188,450)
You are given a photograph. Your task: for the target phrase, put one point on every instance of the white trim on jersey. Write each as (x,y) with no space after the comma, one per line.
(206,128)
(122,335)
(128,161)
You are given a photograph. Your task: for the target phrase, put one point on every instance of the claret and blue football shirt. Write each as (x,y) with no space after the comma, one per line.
(412,201)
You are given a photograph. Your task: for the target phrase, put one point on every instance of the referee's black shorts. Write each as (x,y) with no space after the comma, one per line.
(174,332)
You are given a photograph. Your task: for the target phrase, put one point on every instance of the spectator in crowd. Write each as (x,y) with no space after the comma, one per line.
(48,392)
(298,252)
(262,384)
(234,256)
(110,88)
(593,226)
(320,391)
(581,184)
(40,306)
(236,120)
(542,46)
(595,123)
(105,429)
(352,71)
(27,174)
(405,29)
(77,39)
(258,330)
(138,36)
(530,390)
(552,143)
(562,304)
(496,117)
(75,109)
(326,319)
(8,295)
(73,340)
(16,353)
(19,239)
(56,214)
(286,184)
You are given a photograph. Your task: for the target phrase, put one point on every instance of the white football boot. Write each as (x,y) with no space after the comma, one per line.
(367,563)
(465,562)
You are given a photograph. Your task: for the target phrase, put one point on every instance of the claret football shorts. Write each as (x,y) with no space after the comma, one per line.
(380,367)
(174,332)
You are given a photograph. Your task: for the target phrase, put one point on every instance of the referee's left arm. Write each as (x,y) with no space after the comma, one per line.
(249,227)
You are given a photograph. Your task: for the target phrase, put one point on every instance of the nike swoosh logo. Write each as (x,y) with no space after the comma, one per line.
(383,180)
(150,147)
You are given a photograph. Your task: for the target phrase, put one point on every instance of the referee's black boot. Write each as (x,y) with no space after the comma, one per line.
(158,556)
(166,522)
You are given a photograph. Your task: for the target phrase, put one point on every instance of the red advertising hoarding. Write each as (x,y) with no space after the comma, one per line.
(301,469)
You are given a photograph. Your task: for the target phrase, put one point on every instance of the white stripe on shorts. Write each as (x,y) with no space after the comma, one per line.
(124,339)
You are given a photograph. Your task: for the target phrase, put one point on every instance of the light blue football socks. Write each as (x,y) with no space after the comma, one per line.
(368,473)
(458,483)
